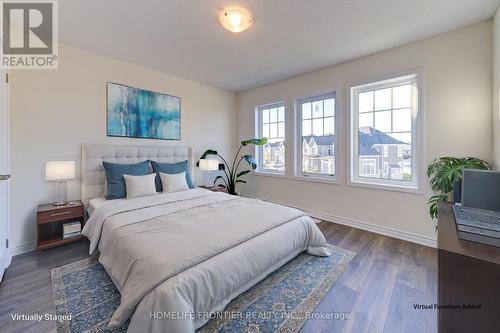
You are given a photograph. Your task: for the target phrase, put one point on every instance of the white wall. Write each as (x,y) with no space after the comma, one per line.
(54,112)
(457,91)
(496,89)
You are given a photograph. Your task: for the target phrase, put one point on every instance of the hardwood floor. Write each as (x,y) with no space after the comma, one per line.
(26,286)
(380,285)
(377,290)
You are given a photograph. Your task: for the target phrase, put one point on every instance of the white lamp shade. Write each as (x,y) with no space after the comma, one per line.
(209,165)
(59,170)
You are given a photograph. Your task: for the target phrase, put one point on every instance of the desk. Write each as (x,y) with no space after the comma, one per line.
(468,273)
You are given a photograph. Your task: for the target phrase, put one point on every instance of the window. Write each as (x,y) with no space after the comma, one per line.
(384,132)
(271,125)
(316,135)
(369,167)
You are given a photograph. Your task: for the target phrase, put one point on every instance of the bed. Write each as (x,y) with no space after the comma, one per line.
(177,258)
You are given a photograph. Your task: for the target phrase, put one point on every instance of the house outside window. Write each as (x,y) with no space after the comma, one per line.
(316,136)
(384,132)
(270,120)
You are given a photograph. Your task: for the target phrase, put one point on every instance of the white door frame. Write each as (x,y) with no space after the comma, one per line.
(5,254)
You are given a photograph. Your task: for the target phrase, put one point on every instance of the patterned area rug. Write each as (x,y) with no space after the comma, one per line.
(279,303)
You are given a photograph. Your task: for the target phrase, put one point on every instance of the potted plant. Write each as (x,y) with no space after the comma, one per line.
(445,177)
(232,177)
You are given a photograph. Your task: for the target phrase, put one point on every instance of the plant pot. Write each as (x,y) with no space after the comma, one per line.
(457,191)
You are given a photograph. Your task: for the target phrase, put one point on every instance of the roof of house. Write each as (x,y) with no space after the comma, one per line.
(371,136)
(274,144)
(368,137)
(365,150)
(326,140)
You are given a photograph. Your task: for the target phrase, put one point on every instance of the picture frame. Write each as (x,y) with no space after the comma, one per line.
(142,114)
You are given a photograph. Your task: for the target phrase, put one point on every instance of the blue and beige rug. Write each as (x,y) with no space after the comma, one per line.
(279,303)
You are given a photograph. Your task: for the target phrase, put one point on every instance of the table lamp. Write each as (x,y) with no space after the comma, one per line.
(209,165)
(60,171)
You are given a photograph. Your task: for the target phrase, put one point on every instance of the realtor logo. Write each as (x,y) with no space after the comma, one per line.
(29,34)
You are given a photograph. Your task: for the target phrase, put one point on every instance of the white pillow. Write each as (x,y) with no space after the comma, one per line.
(174,182)
(140,186)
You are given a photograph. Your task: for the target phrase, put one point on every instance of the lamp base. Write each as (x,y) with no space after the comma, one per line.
(61,194)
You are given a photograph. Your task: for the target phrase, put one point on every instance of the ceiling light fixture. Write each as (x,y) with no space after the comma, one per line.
(236,19)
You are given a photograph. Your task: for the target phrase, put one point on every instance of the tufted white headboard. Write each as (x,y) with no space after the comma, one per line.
(93,155)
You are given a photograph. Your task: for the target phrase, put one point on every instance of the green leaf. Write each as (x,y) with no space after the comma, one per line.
(208,152)
(242,173)
(251,161)
(217,178)
(257,142)
(445,171)
(434,202)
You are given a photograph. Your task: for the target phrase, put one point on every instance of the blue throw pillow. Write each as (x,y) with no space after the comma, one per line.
(114,177)
(171,168)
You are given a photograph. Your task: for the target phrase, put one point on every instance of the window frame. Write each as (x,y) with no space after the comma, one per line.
(297,147)
(258,133)
(413,77)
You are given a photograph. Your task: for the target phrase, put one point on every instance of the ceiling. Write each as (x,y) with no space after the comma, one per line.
(287,38)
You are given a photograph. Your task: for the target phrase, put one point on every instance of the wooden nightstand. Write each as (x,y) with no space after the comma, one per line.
(49,224)
(214,188)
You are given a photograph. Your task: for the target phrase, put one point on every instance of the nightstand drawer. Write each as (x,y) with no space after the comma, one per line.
(59,215)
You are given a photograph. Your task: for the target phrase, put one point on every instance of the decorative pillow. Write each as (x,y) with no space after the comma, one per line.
(140,186)
(115,183)
(171,168)
(174,182)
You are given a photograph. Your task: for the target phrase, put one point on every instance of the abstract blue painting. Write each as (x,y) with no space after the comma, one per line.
(138,113)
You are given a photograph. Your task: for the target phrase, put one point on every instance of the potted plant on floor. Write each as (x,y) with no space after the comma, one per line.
(445,177)
(232,177)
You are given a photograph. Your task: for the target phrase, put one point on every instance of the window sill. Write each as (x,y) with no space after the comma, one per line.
(313,179)
(270,174)
(386,187)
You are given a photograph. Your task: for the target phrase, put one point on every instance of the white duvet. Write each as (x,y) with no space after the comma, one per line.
(178,257)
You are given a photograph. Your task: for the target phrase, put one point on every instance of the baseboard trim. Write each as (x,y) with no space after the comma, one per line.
(5,261)
(378,229)
(28,247)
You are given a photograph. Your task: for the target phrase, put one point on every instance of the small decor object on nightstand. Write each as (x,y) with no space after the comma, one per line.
(231,177)
(58,225)
(60,171)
